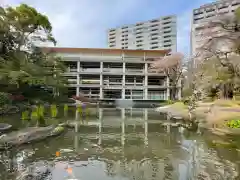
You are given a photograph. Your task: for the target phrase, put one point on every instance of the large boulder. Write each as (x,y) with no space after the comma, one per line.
(28,135)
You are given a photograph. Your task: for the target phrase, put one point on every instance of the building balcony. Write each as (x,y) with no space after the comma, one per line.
(134,59)
(90,70)
(72,81)
(112,70)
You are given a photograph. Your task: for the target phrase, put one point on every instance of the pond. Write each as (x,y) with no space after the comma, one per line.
(125,144)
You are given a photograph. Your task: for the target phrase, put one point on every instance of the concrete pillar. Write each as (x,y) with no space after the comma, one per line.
(122,113)
(100,115)
(146,87)
(78,66)
(145,127)
(168,88)
(77,91)
(124,67)
(101,86)
(145,68)
(123,94)
(123,127)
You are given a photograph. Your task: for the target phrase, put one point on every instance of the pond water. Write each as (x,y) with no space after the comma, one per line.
(126,144)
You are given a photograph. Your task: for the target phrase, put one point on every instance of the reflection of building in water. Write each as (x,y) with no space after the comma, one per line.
(144,150)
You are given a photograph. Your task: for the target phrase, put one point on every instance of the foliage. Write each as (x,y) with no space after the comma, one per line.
(57,130)
(23,65)
(54,111)
(4,99)
(25,115)
(172,66)
(233,123)
(219,55)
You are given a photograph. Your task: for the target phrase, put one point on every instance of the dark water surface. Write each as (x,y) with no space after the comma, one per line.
(126,144)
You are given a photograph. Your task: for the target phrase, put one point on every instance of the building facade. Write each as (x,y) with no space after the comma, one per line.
(158,33)
(201,16)
(109,74)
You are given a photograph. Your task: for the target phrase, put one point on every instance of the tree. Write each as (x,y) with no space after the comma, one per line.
(172,67)
(221,46)
(22,63)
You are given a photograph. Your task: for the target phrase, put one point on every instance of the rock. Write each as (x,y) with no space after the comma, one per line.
(37,171)
(29,135)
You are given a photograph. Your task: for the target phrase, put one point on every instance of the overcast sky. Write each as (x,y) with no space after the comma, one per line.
(84,23)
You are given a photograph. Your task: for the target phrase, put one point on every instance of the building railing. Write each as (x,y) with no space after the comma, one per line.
(134,70)
(113,70)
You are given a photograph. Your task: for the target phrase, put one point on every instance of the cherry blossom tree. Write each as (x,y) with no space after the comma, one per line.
(172,66)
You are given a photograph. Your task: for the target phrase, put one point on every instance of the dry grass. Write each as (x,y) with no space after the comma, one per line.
(219,117)
(179,106)
(227,103)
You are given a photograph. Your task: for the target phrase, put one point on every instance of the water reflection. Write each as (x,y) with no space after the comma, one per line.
(128,144)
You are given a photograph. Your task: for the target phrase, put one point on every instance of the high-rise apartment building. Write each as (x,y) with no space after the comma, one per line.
(110,74)
(201,16)
(155,34)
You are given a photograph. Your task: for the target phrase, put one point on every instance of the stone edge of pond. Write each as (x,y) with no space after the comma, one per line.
(15,141)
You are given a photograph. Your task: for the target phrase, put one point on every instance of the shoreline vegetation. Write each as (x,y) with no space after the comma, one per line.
(220,116)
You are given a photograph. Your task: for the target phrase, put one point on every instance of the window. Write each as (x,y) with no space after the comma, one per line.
(167,46)
(111,38)
(154,47)
(166,27)
(154,34)
(139,24)
(139,36)
(210,10)
(166,36)
(166,31)
(166,41)
(155,20)
(235,3)
(210,15)
(155,25)
(155,38)
(196,13)
(112,34)
(139,45)
(166,18)
(138,29)
(154,43)
(126,31)
(196,19)
(222,6)
(125,27)
(138,41)
(140,32)
(112,42)
(167,22)
(111,30)
(111,45)
(154,30)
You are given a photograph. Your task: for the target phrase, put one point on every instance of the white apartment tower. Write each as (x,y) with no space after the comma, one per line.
(155,34)
(203,15)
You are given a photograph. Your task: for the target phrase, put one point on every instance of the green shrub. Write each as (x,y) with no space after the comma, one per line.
(233,123)
(4,98)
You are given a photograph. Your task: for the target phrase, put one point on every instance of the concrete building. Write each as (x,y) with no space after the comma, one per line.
(158,33)
(110,74)
(201,16)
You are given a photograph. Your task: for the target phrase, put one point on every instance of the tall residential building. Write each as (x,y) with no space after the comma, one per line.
(109,74)
(155,34)
(201,16)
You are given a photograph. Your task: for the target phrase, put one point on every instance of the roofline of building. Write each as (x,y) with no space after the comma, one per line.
(212,4)
(101,50)
(144,21)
